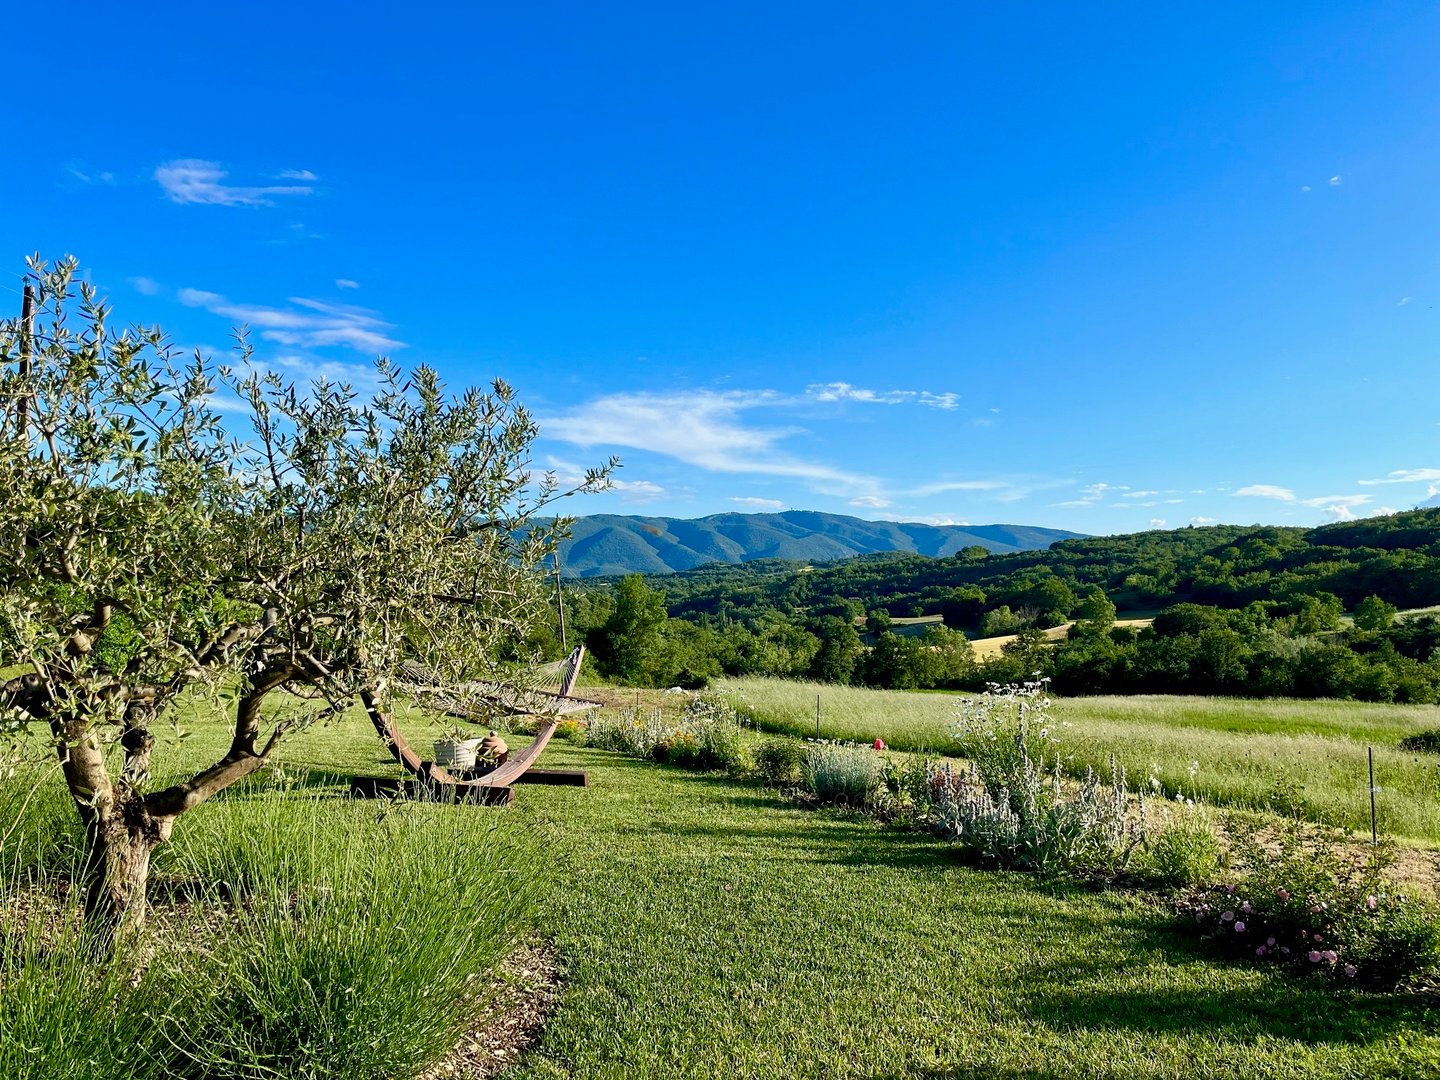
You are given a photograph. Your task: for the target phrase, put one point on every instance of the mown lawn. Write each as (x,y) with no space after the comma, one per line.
(708,927)
(1241,749)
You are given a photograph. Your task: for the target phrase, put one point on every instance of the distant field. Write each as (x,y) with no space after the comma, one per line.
(1243,748)
(985,648)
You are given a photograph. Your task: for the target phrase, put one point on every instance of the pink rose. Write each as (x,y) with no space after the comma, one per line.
(1350,970)
(1314,956)
(1283,894)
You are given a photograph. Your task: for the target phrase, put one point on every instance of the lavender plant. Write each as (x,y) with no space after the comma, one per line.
(837,773)
(1009,806)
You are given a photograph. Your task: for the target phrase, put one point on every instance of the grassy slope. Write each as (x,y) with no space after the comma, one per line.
(1242,746)
(709,928)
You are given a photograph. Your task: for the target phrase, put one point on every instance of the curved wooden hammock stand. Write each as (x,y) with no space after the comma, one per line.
(428,780)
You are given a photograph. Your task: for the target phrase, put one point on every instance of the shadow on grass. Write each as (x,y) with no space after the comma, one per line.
(1274,1003)
(1279,1007)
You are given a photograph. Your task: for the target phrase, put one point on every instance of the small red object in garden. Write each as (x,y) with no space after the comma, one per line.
(879,744)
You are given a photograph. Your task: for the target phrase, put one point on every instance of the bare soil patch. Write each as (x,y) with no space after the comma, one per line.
(522,994)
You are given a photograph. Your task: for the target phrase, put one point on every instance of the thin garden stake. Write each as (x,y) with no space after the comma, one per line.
(560,602)
(817,716)
(1374,832)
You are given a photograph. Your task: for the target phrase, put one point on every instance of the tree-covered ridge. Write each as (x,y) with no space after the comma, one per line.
(1255,611)
(1396,558)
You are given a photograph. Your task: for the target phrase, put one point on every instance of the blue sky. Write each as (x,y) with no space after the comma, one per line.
(1097,267)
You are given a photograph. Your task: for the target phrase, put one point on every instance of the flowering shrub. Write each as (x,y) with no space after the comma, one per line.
(1306,904)
(1010,807)
(835,773)
(1037,826)
(706,735)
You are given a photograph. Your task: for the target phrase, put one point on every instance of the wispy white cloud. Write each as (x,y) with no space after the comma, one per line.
(751,502)
(871,502)
(1335,507)
(1267,491)
(1092,495)
(297,174)
(637,491)
(940,487)
(1336,181)
(347,283)
(1305,187)
(938,519)
(569,475)
(1139,494)
(1200,520)
(704,428)
(1406,476)
(843,391)
(146,286)
(1157,523)
(319,324)
(78,170)
(191,180)
(1404,300)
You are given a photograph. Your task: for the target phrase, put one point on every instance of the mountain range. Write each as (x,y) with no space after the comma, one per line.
(606,544)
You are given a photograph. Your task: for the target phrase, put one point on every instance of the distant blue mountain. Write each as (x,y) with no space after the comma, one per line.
(605,544)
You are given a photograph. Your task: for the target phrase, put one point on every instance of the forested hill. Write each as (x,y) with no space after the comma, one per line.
(1396,558)
(607,544)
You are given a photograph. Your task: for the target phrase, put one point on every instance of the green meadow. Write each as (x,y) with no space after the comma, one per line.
(1241,750)
(707,926)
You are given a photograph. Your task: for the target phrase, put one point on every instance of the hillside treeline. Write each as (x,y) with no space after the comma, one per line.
(1247,611)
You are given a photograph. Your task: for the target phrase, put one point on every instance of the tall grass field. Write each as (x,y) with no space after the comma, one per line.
(1241,750)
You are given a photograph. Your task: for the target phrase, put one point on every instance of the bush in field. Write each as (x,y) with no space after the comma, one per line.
(1183,851)
(1422,742)
(833,773)
(1305,903)
(1010,807)
(778,761)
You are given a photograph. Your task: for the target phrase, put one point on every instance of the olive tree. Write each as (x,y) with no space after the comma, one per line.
(156,549)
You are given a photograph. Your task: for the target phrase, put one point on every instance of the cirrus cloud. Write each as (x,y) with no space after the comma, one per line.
(192,180)
(318,323)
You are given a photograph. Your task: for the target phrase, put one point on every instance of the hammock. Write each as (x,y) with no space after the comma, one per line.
(494,784)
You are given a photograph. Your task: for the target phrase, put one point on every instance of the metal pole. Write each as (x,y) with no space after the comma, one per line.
(560,603)
(27,338)
(1374,832)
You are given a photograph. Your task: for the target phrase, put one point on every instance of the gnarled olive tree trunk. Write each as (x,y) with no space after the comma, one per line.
(123,824)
